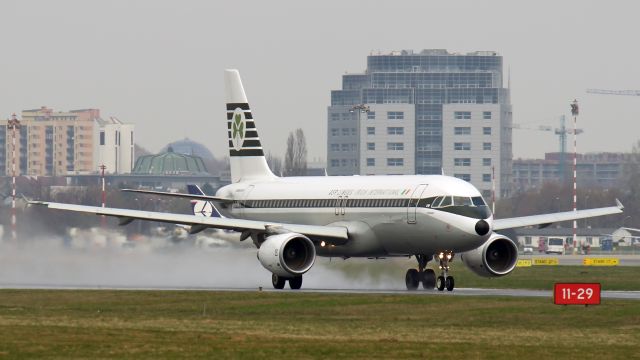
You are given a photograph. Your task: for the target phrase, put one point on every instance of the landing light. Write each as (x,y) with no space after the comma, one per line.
(322,243)
(441,256)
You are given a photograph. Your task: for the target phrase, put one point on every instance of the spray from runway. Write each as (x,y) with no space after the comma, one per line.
(52,262)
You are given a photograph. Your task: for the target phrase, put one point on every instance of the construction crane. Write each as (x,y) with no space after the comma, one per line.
(562,133)
(523,127)
(614,92)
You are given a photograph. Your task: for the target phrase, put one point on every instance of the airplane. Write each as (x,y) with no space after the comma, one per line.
(292,220)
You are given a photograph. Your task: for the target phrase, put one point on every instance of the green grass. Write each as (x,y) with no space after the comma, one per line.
(177,324)
(534,277)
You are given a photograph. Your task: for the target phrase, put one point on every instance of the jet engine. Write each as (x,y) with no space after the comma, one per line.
(287,255)
(496,257)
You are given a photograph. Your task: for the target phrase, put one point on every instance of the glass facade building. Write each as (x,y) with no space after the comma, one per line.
(422,86)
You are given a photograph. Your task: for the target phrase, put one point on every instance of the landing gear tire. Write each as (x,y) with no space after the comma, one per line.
(412,279)
(429,279)
(449,283)
(440,283)
(295,283)
(278,281)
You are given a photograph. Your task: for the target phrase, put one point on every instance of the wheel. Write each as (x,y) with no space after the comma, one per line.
(449,283)
(295,283)
(412,279)
(440,283)
(278,281)
(429,279)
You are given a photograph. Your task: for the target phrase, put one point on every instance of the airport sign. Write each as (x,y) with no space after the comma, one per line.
(576,294)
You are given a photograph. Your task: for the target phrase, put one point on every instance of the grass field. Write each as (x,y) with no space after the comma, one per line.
(177,324)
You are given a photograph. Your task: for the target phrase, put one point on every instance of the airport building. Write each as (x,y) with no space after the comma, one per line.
(593,169)
(424,113)
(56,143)
(593,237)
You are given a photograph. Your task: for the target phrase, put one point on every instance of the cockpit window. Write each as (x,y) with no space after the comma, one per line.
(462,201)
(446,201)
(474,207)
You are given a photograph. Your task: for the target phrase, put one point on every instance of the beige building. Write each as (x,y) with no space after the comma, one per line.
(51,143)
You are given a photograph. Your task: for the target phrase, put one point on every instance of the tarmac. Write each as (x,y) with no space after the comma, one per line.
(625,295)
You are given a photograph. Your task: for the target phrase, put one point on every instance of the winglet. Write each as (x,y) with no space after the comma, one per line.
(619,204)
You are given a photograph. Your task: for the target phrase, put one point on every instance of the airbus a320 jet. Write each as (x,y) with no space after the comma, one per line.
(291,220)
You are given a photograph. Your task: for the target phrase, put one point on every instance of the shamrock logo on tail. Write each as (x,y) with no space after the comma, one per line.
(237,131)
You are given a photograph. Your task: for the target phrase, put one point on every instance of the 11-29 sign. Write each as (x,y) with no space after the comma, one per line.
(576,294)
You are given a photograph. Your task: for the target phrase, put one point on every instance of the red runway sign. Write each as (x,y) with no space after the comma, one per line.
(576,294)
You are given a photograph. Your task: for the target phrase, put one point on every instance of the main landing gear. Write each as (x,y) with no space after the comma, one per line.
(278,282)
(427,277)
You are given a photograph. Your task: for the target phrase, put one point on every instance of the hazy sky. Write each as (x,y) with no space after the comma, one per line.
(159,64)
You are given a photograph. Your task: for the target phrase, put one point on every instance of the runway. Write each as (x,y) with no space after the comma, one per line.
(620,295)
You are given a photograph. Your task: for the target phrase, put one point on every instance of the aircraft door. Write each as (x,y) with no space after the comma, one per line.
(412,206)
(338,205)
(341,203)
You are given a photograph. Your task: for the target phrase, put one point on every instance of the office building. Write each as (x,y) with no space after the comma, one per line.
(424,113)
(593,169)
(57,143)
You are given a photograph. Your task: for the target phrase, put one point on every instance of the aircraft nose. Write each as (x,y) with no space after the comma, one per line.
(482,228)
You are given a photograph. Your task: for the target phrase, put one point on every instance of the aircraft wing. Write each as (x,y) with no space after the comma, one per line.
(180,195)
(335,235)
(544,220)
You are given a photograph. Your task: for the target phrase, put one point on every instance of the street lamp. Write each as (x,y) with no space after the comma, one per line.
(360,109)
(13,124)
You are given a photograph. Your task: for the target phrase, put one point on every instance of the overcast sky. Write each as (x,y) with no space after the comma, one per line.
(159,64)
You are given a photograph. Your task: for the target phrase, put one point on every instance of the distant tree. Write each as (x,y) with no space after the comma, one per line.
(275,163)
(139,151)
(295,159)
(557,197)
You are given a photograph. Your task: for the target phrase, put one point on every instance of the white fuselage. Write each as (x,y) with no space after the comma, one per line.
(385,215)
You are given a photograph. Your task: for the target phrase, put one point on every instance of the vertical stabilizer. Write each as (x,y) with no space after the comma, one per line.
(245,149)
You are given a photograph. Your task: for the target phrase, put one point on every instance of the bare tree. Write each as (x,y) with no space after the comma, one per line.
(295,159)
(275,163)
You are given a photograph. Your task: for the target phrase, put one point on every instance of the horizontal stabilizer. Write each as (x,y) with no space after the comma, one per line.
(180,195)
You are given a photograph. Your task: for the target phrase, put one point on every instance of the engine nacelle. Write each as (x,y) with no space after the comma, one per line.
(287,255)
(498,256)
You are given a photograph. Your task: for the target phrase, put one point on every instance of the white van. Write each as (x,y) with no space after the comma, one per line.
(555,245)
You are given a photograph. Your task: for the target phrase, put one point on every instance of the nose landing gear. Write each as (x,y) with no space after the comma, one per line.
(425,276)
(444,281)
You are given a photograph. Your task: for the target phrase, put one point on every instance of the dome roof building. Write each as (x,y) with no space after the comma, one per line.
(189,147)
(169,163)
